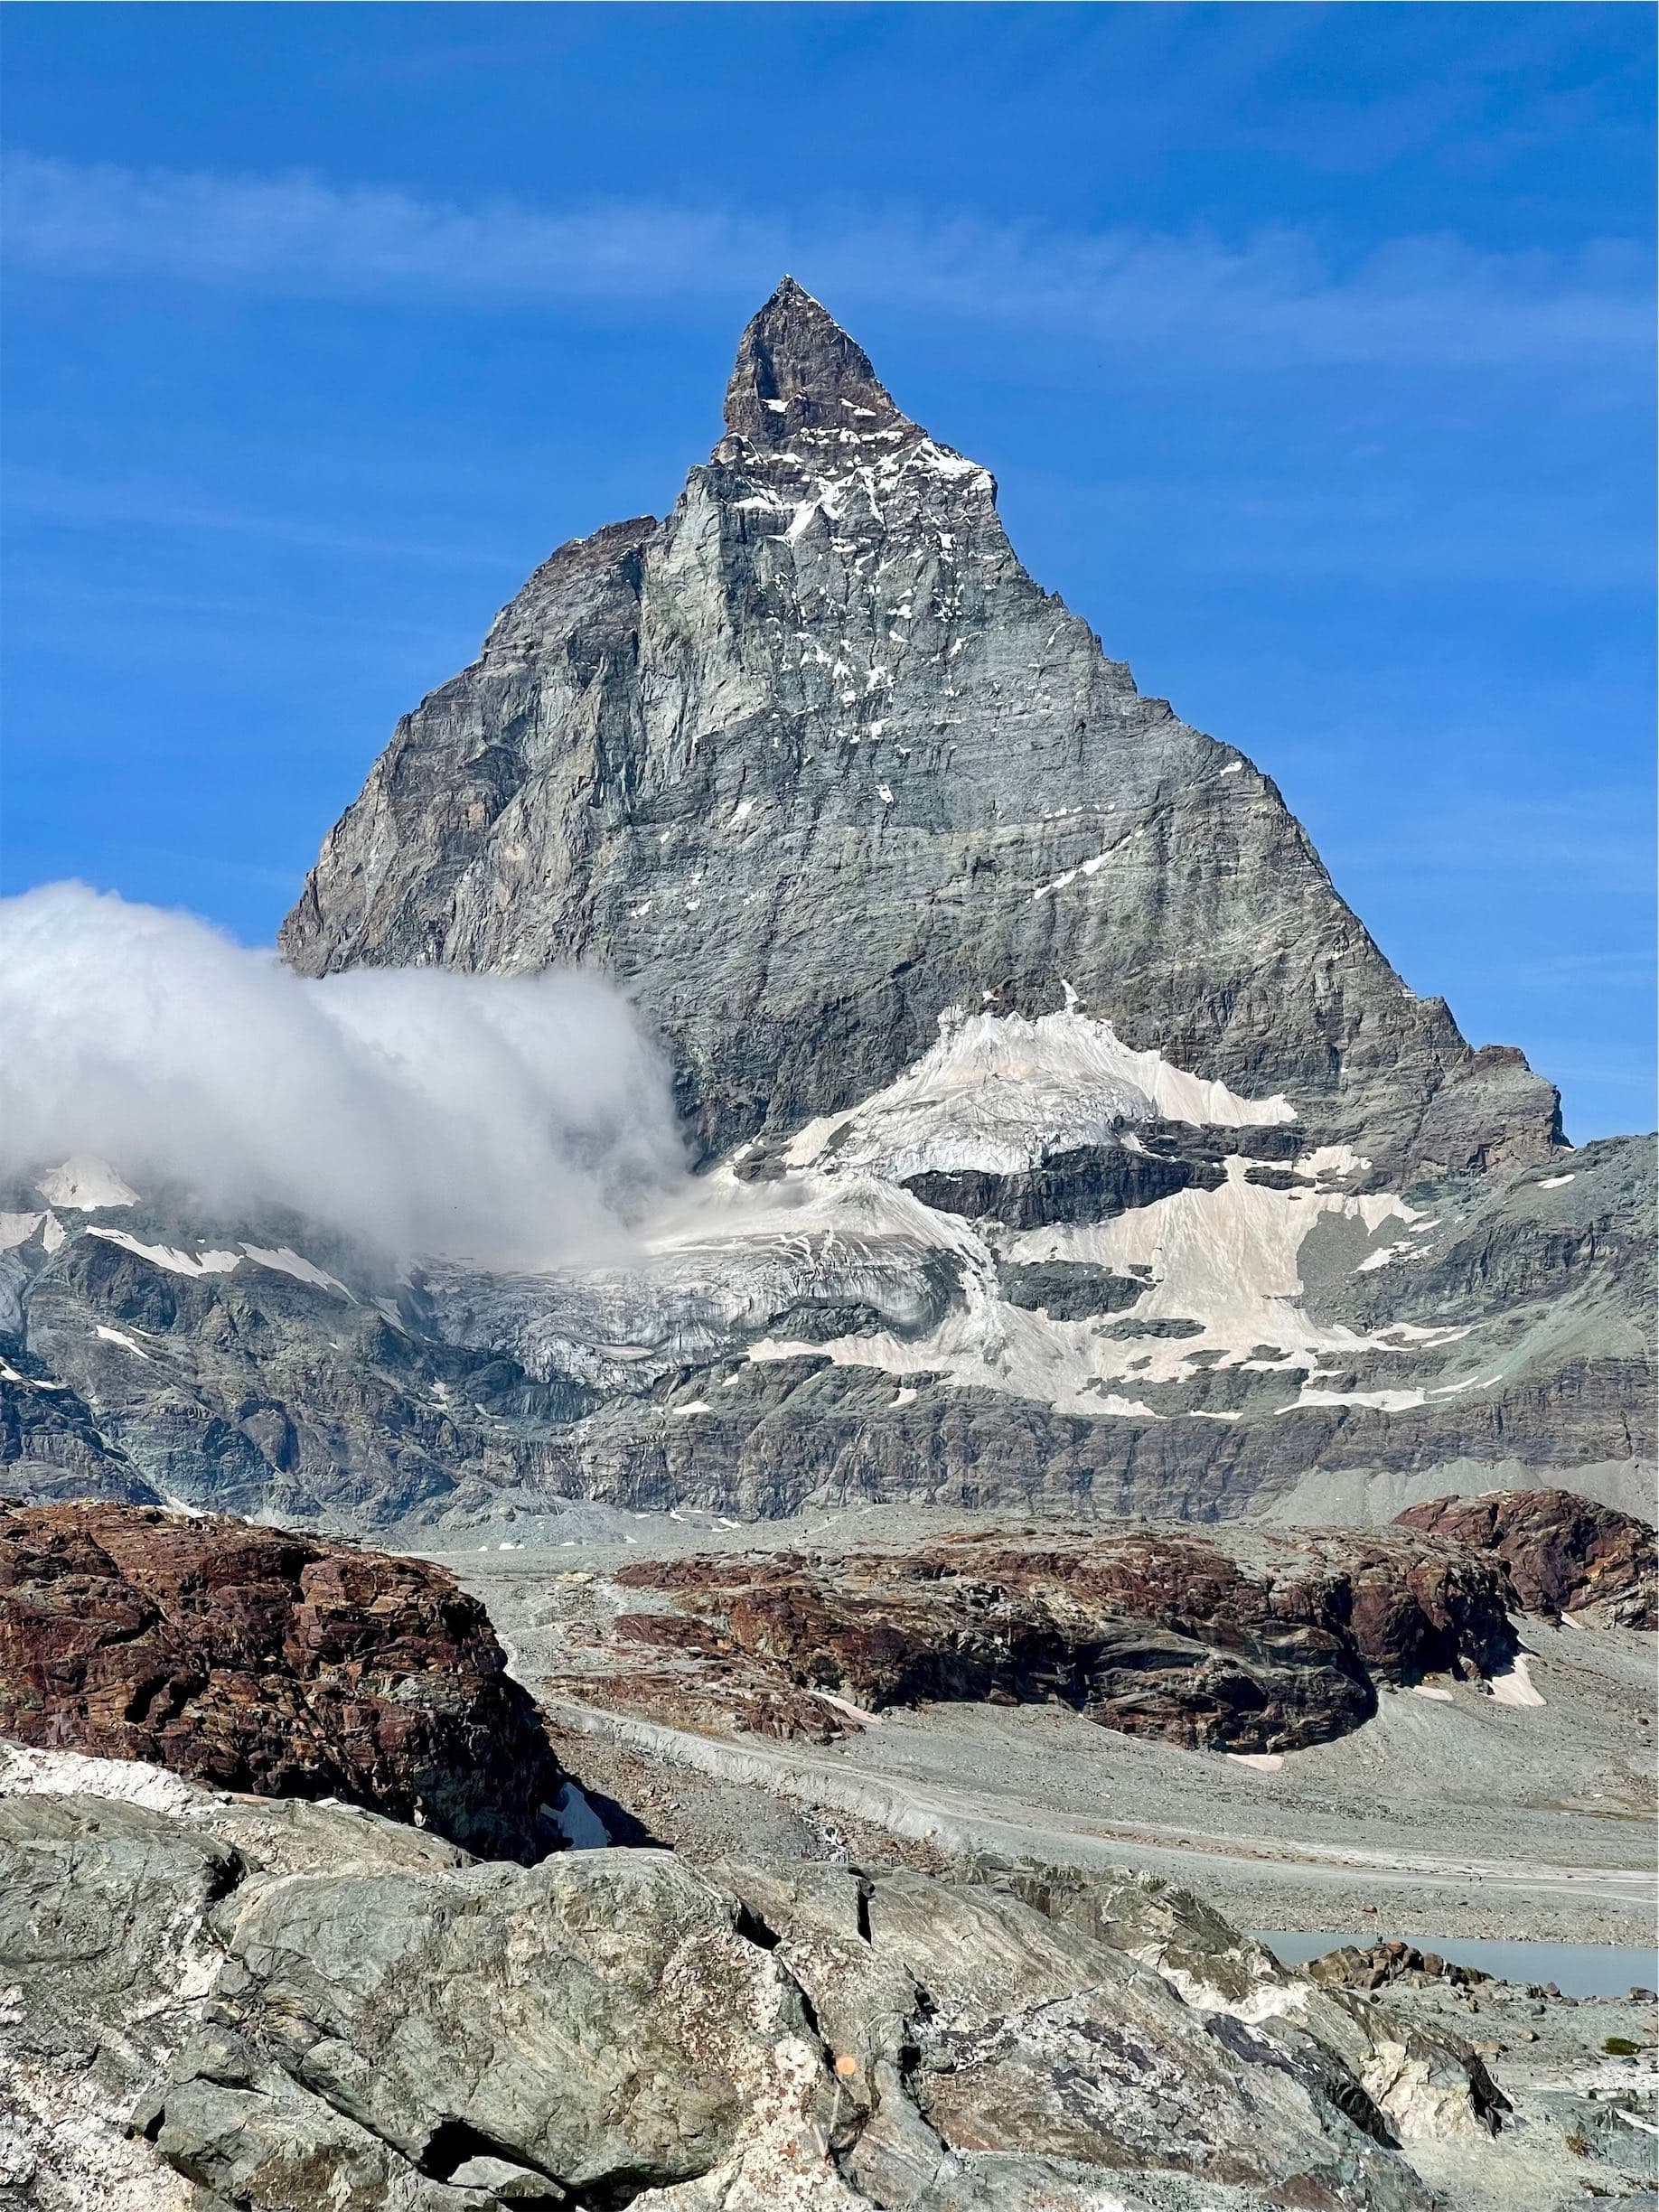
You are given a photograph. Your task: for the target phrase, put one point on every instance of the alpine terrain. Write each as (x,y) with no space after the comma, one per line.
(454,1755)
(1060,1133)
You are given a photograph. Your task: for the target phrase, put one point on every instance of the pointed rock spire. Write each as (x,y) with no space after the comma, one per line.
(797,368)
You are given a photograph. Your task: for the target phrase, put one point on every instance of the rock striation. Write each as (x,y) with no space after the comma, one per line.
(1563,1554)
(1066,1141)
(1267,1645)
(252,1660)
(813,760)
(338,2019)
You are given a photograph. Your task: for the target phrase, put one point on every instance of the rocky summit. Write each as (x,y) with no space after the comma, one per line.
(1062,1137)
(813,761)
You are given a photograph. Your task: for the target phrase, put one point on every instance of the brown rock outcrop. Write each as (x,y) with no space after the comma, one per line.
(251,1659)
(1563,1554)
(1158,1632)
(1354,1967)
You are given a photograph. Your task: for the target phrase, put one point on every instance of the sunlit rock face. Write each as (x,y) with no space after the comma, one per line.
(1063,1135)
(1250,1645)
(252,1660)
(813,759)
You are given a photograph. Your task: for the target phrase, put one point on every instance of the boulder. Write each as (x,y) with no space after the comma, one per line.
(254,1660)
(1564,1553)
(615,2028)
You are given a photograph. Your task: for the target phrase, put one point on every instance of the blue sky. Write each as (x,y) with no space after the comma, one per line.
(1311,348)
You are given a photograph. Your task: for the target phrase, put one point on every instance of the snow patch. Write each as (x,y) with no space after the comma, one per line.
(998,1092)
(284,1260)
(114,1335)
(169,1256)
(1515,1687)
(1330,1163)
(84,1183)
(1226,1259)
(1380,1401)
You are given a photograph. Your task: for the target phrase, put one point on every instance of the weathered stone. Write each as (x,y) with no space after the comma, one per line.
(1563,1554)
(611,2029)
(1159,1632)
(254,1660)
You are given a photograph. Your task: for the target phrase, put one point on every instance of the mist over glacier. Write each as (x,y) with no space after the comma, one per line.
(522,1120)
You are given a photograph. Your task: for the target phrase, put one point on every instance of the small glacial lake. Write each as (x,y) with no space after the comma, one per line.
(1577,1970)
(579,1821)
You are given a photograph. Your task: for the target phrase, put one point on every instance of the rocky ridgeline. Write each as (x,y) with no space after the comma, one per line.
(1564,1555)
(328,2014)
(252,1660)
(1071,1143)
(813,759)
(1255,1646)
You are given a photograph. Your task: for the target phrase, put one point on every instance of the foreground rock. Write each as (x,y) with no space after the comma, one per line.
(1564,1554)
(1250,1643)
(340,2017)
(254,1660)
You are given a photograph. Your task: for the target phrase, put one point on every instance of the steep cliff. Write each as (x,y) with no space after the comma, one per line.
(813,760)
(1065,1137)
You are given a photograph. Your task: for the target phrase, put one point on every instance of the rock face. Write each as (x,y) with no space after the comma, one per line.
(1564,1554)
(341,2023)
(1068,1140)
(1157,1632)
(824,1337)
(813,760)
(256,1661)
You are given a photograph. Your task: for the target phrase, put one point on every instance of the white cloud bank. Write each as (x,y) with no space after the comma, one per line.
(521,1120)
(1277,294)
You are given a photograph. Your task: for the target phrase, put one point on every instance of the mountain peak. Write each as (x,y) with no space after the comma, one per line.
(796,367)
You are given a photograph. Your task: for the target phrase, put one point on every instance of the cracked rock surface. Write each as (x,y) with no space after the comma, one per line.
(290,2020)
(254,1660)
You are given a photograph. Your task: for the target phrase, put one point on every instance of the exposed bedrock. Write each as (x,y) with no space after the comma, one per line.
(806,1432)
(254,1660)
(1564,1554)
(1156,1632)
(1069,1137)
(338,2020)
(813,759)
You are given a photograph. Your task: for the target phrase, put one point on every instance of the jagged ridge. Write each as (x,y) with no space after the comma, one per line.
(813,759)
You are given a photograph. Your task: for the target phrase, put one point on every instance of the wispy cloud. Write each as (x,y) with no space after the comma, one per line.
(54,498)
(1604,842)
(1276,297)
